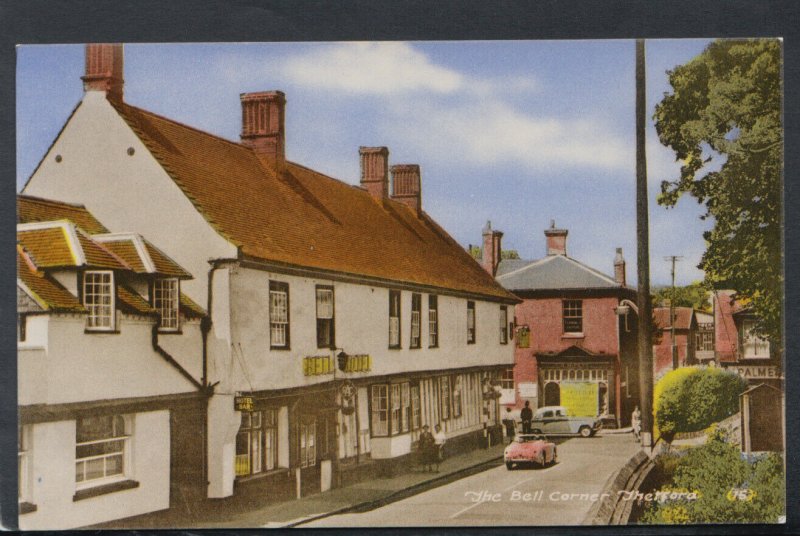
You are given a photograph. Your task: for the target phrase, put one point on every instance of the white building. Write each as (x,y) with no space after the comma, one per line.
(300,273)
(109,362)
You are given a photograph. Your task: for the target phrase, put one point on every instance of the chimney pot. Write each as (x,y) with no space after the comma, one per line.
(406,185)
(375,171)
(556,240)
(104,69)
(263,123)
(619,268)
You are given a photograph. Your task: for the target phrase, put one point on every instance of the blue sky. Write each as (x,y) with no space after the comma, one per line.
(516,132)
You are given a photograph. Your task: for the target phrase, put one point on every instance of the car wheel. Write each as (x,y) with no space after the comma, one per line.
(585,431)
(509,466)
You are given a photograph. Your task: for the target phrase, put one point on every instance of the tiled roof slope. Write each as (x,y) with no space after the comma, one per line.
(33,209)
(47,291)
(554,272)
(303,218)
(683,317)
(60,244)
(125,247)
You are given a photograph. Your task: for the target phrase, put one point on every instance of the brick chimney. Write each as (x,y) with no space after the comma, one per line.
(491,249)
(104,69)
(263,128)
(375,171)
(406,185)
(619,268)
(556,240)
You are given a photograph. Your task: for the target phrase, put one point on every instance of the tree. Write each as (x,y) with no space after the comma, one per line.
(723,120)
(694,296)
(477,253)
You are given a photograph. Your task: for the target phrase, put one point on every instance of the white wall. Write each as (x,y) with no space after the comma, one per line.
(127,193)
(79,367)
(362,327)
(53,475)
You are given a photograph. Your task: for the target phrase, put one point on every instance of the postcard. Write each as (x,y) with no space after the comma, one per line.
(387,284)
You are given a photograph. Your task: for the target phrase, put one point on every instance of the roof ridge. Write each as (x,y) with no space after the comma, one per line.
(594,271)
(538,262)
(181,124)
(104,248)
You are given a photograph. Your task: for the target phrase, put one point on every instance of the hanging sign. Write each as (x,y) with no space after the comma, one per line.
(243,403)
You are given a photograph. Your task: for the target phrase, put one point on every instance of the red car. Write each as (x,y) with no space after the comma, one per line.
(530,448)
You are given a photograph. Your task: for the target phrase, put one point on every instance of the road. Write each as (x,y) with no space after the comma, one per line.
(556,495)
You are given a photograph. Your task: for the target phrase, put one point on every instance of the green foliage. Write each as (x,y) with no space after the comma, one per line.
(713,470)
(723,120)
(694,296)
(509,254)
(692,401)
(477,253)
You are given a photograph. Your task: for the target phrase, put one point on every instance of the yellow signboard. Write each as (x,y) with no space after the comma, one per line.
(580,398)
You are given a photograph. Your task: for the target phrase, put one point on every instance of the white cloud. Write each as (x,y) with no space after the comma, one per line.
(371,68)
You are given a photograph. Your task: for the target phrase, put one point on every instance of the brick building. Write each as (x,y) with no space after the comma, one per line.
(573,348)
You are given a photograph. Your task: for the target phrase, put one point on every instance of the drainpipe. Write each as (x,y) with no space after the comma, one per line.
(171,360)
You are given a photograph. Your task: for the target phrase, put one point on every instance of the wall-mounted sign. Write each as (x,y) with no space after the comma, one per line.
(243,403)
(580,398)
(358,363)
(757,372)
(317,365)
(528,390)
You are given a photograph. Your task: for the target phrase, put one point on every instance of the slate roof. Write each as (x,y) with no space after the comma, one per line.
(683,317)
(300,217)
(554,272)
(35,209)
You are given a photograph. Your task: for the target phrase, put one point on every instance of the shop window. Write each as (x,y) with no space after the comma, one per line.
(470,322)
(573,316)
(98,298)
(394,319)
(416,413)
(456,396)
(433,321)
(308,444)
(503,324)
(444,397)
(325,318)
(166,300)
(391,407)
(279,315)
(507,379)
(416,311)
(257,442)
(101,449)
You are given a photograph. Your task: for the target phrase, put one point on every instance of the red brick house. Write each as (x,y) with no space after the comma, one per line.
(573,349)
(685,326)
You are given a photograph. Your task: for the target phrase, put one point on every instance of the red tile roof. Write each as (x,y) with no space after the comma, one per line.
(683,317)
(130,301)
(303,218)
(190,309)
(47,292)
(124,246)
(34,209)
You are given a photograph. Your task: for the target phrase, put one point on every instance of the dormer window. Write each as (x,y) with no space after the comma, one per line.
(166,300)
(98,298)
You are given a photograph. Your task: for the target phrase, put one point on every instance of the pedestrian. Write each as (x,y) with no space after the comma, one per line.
(426,448)
(636,423)
(527,416)
(439,439)
(510,425)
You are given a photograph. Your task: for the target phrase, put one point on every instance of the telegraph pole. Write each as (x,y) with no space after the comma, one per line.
(643,258)
(673,259)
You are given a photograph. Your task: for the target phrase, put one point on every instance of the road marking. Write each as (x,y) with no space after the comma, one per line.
(512,486)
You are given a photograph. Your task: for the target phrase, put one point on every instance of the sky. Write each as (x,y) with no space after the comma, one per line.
(516,132)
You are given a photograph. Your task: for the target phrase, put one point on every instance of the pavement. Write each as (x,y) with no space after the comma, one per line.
(363,495)
(561,494)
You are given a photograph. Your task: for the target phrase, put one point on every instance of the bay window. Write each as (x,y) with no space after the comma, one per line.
(395,408)
(257,442)
(98,298)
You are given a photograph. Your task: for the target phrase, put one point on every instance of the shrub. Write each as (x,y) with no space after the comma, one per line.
(690,399)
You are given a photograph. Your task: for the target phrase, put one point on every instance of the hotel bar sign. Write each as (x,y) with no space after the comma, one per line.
(758,372)
(243,403)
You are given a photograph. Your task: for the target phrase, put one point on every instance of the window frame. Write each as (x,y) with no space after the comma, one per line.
(752,341)
(400,417)
(176,306)
(571,311)
(125,454)
(395,298)
(416,309)
(307,450)
(507,376)
(472,323)
(503,324)
(112,305)
(331,321)
(278,287)
(433,321)
(456,405)
(444,401)
(416,406)
(24,449)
